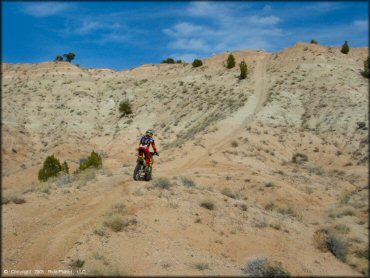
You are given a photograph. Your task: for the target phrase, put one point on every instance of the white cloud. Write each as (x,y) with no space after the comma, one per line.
(43,9)
(266,20)
(88,26)
(183,29)
(226,31)
(361,24)
(113,37)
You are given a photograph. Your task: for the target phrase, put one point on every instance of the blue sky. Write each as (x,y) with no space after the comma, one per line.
(124,35)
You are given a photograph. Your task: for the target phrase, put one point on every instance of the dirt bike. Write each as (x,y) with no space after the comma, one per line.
(143,171)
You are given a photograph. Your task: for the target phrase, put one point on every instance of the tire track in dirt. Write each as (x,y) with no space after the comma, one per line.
(245,114)
(43,246)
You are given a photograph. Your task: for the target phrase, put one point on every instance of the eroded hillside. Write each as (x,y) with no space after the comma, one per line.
(281,155)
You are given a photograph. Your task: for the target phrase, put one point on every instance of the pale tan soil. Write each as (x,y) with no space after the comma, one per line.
(306,99)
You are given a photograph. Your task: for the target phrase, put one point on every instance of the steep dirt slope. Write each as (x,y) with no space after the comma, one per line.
(223,141)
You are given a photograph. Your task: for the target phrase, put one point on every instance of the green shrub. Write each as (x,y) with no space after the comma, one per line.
(179,62)
(314,42)
(345,48)
(243,70)
(59,58)
(93,161)
(230,62)
(125,107)
(197,63)
(262,267)
(65,167)
(51,168)
(69,56)
(168,61)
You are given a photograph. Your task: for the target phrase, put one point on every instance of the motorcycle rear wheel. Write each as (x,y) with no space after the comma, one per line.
(136,171)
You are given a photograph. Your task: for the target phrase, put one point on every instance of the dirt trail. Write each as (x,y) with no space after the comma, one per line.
(53,236)
(243,116)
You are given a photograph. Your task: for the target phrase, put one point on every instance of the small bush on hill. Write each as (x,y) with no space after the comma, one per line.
(230,62)
(337,246)
(366,71)
(243,70)
(327,240)
(69,56)
(187,182)
(299,158)
(314,42)
(51,168)
(162,182)
(116,222)
(93,161)
(262,267)
(65,167)
(201,266)
(345,48)
(77,263)
(179,62)
(125,107)
(208,204)
(168,61)
(197,63)
(59,58)
(13,195)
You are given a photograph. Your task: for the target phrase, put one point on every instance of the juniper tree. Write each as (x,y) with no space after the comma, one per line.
(243,70)
(230,62)
(197,63)
(69,56)
(345,48)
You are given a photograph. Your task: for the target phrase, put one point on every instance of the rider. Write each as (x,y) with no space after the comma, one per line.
(145,142)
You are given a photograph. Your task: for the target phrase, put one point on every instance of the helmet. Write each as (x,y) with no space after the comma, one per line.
(149,132)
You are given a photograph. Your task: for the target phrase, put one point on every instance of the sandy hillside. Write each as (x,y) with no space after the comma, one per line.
(272,166)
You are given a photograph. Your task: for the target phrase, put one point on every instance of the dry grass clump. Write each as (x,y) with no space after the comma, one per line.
(13,195)
(282,209)
(263,267)
(227,192)
(299,158)
(187,182)
(208,204)
(83,177)
(327,240)
(116,222)
(201,266)
(100,231)
(234,144)
(163,183)
(78,263)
